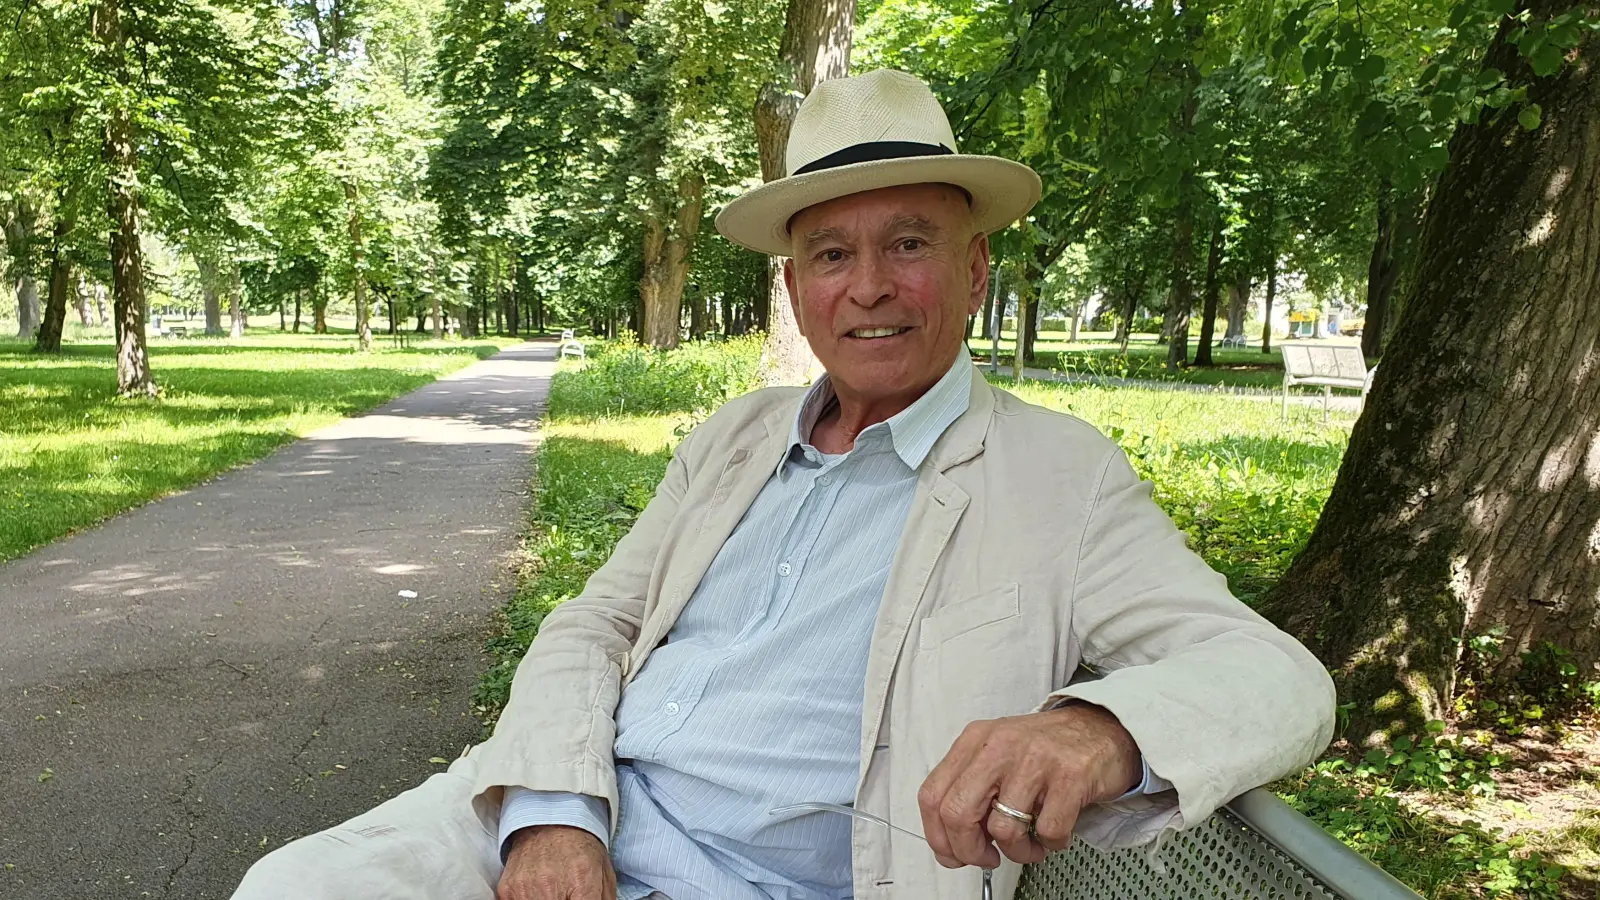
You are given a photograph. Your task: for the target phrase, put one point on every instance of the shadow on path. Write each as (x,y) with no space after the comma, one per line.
(210,675)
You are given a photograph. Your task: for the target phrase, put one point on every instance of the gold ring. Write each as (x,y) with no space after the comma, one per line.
(1017,814)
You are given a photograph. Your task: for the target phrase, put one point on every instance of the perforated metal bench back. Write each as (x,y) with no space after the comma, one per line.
(1221,859)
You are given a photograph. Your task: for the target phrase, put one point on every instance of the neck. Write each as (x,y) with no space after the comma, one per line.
(856,412)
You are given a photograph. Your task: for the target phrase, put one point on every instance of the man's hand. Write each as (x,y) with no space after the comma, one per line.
(1050,764)
(555,862)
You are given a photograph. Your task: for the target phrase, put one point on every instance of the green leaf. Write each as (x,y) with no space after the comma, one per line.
(1546,59)
(439,760)
(1530,116)
(1370,68)
(1502,7)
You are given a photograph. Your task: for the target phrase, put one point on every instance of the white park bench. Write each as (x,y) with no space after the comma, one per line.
(570,345)
(1326,366)
(1255,848)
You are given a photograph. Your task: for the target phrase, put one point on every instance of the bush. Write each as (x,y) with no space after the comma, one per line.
(626,378)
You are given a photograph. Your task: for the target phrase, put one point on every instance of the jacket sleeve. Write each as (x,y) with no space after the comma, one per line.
(1217,698)
(558,730)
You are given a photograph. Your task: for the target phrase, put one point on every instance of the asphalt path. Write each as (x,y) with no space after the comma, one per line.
(213,674)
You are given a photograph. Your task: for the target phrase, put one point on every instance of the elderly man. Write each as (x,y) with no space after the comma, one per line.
(874,592)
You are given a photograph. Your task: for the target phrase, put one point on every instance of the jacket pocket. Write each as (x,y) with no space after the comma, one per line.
(958,618)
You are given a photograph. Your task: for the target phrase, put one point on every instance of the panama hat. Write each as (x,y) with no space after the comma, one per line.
(877,130)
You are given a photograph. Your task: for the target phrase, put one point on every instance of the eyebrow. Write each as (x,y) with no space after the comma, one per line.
(920,224)
(816,237)
(913,223)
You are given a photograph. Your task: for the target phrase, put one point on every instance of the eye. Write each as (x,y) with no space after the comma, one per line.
(834,255)
(911,244)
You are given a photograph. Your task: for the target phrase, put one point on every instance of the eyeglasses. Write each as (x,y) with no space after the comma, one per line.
(852,812)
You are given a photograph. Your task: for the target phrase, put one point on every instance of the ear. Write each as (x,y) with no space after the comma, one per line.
(794,294)
(979,254)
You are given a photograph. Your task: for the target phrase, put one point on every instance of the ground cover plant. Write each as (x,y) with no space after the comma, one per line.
(1455,813)
(72,455)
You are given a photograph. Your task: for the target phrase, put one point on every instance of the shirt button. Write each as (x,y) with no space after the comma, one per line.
(672,708)
(825,480)
(784,570)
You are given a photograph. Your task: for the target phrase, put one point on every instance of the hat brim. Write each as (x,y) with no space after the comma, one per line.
(1002,192)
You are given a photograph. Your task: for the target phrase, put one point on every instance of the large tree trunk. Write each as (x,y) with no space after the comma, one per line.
(1266,305)
(1077,318)
(100,305)
(358,265)
(666,263)
(299,296)
(1469,498)
(210,292)
(1180,303)
(1238,305)
(82,300)
(1383,270)
(122,203)
(319,310)
(815,47)
(236,315)
(55,310)
(1213,291)
(20,229)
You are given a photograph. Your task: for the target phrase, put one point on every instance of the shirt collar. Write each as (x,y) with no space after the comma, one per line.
(914,430)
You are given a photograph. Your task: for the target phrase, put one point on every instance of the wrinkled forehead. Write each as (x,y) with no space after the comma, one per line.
(933,206)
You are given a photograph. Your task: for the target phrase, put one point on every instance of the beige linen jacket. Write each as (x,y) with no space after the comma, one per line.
(1031,549)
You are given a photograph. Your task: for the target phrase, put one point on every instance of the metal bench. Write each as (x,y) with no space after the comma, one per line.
(570,345)
(1237,340)
(1325,366)
(1255,848)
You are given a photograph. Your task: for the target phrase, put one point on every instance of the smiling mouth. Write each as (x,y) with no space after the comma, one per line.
(875,333)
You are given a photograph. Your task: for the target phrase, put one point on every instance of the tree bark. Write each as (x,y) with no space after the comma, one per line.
(1383,270)
(122,203)
(666,263)
(1213,290)
(82,301)
(1077,318)
(319,310)
(1469,498)
(1180,303)
(358,265)
(1025,290)
(55,310)
(1238,304)
(299,295)
(236,316)
(815,47)
(20,227)
(210,292)
(1266,305)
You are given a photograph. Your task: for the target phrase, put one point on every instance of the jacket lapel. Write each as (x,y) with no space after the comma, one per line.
(743,476)
(935,512)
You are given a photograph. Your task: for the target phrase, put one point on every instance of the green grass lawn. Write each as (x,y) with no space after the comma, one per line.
(72,454)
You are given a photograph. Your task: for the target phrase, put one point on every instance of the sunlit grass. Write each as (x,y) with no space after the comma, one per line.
(73,454)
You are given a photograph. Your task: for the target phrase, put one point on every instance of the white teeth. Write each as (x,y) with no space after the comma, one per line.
(874,332)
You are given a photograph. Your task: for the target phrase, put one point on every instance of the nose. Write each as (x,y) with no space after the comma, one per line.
(873,282)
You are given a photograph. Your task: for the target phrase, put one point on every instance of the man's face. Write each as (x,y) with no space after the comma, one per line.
(882,283)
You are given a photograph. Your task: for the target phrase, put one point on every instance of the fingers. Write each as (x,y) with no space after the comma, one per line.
(1057,817)
(931,798)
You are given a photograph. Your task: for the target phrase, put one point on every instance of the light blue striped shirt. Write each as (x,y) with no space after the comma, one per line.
(754,700)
